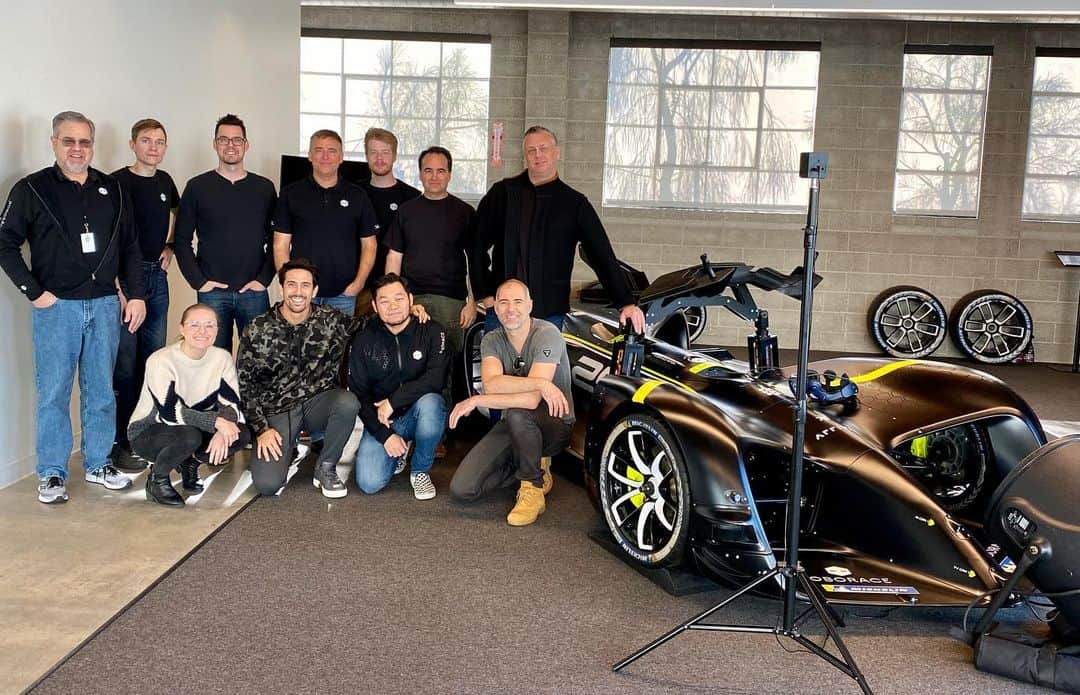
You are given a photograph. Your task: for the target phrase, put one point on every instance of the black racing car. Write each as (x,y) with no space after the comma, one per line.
(688,460)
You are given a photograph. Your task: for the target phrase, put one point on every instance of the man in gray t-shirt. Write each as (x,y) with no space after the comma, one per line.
(525,372)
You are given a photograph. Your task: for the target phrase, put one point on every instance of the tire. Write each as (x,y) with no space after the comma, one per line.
(647,511)
(696,318)
(907,322)
(950,463)
(991,327)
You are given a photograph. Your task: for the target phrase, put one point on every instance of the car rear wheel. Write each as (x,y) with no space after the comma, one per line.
(907,322)
(644,491)
(991,327)
(695,321)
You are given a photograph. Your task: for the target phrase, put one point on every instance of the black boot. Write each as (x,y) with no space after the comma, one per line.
(159,489)
(189,472)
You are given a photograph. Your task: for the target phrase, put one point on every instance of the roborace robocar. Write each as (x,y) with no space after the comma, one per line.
(688,460)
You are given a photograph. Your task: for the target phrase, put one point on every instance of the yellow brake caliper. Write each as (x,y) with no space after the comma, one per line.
(920,447)
(635,475)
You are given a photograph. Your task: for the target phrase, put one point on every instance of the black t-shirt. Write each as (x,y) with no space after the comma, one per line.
(386,202)
(434,236)
(233,222)
(152,198)
(326,225)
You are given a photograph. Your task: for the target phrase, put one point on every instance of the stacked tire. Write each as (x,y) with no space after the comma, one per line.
(987,326)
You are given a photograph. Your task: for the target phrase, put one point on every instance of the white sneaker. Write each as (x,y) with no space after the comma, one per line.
(108,476)
(423,488)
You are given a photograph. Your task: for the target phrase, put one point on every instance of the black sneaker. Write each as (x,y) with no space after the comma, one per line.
(52,490)
(326,477)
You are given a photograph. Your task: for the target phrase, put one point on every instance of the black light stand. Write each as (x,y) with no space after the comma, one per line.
(813,166)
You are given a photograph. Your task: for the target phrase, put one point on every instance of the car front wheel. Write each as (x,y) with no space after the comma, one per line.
(644,491)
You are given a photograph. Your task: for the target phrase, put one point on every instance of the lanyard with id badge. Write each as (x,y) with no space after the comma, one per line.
(87,238)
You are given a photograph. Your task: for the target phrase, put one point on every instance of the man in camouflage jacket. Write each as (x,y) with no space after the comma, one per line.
(288,365)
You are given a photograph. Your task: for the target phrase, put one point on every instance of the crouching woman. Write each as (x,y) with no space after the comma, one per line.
(189,408)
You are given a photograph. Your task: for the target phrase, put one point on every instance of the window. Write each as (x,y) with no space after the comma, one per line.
(428,92)
(709,125)
(942,117)
(1052,174)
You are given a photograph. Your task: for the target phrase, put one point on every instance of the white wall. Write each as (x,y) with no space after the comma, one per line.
(184,63)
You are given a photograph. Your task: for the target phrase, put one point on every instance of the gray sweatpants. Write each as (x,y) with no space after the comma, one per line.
(333,412)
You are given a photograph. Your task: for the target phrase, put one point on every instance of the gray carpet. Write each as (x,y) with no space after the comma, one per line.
(385,594)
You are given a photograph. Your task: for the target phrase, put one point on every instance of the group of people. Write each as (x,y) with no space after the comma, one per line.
(375,281)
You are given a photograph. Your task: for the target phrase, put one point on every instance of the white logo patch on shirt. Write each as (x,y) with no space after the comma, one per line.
(164,198)
(344,203)
(103,191)
(417,354)
(393,207)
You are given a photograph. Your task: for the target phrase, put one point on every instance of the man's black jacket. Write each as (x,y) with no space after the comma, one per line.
(33,213)
(400,367)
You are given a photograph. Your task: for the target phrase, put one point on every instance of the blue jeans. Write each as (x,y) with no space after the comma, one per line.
(72,333)
(240,307)
(423,424)
(491,321)
(136,347)
(343,303)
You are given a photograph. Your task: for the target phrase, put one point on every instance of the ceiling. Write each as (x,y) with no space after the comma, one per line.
(1040,11)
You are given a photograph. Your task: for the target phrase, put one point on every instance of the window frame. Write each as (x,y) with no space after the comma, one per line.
(760,131)
(1047,52)
(405,160)
(905,90)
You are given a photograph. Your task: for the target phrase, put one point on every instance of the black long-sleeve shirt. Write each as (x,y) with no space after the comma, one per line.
(400,367)
(234,224)
(51,212)
(531,233)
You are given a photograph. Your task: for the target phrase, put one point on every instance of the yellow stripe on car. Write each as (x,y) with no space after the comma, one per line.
(878,373)
(644,390)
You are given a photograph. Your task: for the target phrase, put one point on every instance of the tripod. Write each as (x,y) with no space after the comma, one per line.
(813,166)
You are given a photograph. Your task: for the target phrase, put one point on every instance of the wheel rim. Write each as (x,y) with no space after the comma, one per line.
(695,321)
(640,492)
(910,324)
(995,329)
(951,463)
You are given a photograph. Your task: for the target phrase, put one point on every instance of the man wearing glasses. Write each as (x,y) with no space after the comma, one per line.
(230,210)
(79,228)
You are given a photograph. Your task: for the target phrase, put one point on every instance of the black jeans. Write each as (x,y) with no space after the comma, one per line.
(510,453)
(333,412)
(167,446)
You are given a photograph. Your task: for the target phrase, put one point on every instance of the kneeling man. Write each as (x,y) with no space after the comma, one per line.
(397,369)
(525,372)
(288,363)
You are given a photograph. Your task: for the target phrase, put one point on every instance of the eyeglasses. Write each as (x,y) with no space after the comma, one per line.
(202,326)
(71,142)
(236,142)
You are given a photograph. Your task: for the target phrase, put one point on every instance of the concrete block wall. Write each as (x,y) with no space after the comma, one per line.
(551,68)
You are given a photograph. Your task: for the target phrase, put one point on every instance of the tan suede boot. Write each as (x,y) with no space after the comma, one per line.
(530,504)
(545,465)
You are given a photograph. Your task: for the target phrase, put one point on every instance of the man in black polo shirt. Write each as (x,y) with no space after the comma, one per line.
(80,233)
(230,210)
(387,193)
(430,244)
(154,200)
(331,222)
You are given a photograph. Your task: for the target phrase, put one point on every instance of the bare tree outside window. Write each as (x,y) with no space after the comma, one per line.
(942,119)
(1052,173)
(706,128)
(426,92)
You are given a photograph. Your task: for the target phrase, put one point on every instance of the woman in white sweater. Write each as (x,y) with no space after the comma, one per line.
(189,408)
